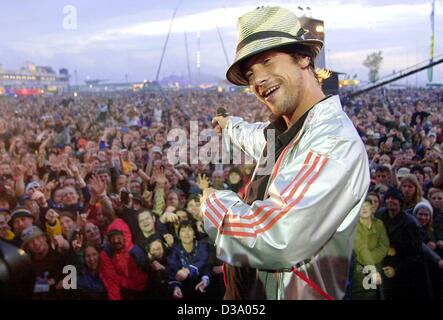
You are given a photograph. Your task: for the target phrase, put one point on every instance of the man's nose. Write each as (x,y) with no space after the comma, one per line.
(261,76)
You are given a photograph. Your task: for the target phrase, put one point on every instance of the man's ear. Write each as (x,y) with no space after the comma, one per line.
(304,62)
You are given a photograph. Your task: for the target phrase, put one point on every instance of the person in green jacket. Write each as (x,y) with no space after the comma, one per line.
(371,246)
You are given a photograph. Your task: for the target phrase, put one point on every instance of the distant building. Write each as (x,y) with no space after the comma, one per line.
(33,80)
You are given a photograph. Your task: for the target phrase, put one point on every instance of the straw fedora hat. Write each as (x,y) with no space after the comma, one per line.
(267,28)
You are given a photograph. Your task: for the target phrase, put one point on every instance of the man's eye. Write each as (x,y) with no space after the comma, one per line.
(267,61)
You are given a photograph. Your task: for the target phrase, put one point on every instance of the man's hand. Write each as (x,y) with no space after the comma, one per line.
(147,196)
(157,266)
(39,197)
(19,170)
(182,274)
(51,185)
(98,187)
(432,245)
(391,252)
(177,294)
(74,169)
(203,182)
(169,238)
(59,243)
(51,217)
(389,271)
(169,217)
(158,175)
(202,285)
(77,243)
(220,123)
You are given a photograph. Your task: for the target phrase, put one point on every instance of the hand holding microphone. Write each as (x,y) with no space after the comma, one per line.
(220,120)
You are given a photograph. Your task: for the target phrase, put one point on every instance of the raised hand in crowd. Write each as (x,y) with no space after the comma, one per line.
(203,182)
(98,187)
(51,217)
(202,285)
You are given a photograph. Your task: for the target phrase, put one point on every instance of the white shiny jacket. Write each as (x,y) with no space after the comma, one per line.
(308,218)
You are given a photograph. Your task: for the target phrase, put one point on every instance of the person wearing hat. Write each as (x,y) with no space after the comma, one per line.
(48,263)
(278,241)
(423,212)
(123,264)
(404,267)
(32,186)
(156,152)
(20,219)
(402,173)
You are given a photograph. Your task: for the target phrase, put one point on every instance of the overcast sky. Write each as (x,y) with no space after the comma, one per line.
(115,37)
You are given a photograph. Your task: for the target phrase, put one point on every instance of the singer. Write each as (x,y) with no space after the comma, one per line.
(291,236)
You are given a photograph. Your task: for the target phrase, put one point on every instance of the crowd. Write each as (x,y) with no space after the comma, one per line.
(86,182)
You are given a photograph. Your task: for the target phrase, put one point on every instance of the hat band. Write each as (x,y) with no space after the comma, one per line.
(269,34)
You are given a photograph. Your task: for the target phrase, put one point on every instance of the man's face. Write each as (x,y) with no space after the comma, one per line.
(385,160)
(382,177)
(5,169)
(156,250)
(70,196)
(67,225)
(21,223)
(38,246)
(393,206)
(4,227)
(58,196)
(104,177)
(122,182)
(172,200)
(437,200)
(146,222)
(117,242)
(276,79)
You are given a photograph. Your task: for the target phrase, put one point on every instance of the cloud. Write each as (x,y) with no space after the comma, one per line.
(353,29)
(336,15)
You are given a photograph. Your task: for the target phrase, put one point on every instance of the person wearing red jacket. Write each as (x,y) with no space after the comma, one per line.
(124,265)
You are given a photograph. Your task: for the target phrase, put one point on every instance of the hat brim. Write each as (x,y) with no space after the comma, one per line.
(235,75)
(114,232)
(19,215)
